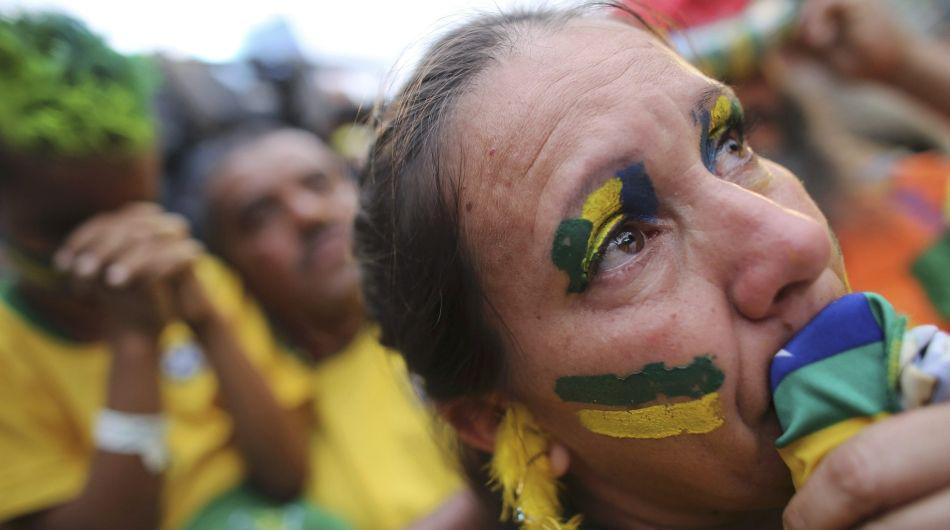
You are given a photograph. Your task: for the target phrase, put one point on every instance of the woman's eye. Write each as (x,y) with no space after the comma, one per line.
(731,153)
(620,247)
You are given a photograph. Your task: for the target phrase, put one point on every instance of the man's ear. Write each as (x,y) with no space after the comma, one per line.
(475,419)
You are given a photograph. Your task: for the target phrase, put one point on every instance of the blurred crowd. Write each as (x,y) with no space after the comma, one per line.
(183,342)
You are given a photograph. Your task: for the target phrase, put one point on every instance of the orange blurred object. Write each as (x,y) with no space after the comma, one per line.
(885,230)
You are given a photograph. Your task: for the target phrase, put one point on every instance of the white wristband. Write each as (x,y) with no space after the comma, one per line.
(133,434)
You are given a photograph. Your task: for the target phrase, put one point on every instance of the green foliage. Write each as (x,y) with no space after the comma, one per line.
(64,92)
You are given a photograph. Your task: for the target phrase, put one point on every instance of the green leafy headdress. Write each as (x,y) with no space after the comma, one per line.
(65,93)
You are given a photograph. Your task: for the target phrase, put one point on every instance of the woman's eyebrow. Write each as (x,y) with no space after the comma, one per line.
(707,98)
(704,102)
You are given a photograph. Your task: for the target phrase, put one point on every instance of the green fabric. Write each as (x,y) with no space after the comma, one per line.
(893,325)
(848,385)
(242,509)
(932,270)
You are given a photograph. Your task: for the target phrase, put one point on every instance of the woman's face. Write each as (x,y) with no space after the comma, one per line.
(646,265)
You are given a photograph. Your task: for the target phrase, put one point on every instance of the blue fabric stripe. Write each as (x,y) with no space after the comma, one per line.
(845,324)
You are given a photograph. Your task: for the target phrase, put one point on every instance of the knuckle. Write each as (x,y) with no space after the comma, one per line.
(177,221)
(793,518)
(852,472)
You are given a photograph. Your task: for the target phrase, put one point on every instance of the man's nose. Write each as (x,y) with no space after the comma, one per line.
(770,253)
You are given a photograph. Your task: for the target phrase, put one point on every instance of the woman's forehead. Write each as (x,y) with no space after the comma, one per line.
(567,98)
(547,119)
(555,84)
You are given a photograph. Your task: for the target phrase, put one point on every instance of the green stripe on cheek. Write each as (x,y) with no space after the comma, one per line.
(694,380)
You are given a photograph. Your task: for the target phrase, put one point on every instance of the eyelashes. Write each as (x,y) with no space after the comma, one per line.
(621,245)
(579,243)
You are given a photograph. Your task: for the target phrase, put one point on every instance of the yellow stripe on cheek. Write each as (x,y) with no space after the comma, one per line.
(698,416)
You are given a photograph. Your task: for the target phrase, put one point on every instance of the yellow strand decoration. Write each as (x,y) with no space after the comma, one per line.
(520,468)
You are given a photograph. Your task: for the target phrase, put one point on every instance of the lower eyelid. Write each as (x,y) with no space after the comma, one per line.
(750,162)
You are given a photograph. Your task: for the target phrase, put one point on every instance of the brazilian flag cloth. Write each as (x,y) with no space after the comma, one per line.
(853,364)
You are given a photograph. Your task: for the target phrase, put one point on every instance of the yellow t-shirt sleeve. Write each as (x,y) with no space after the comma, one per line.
(38,467)
(287,378)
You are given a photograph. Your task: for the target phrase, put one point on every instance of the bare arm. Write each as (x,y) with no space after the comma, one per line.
(271,438)
(925,74)
(119,492)
(140,261)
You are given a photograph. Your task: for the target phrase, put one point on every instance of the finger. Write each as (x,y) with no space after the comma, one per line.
(127,267)
(79,239)
(113,237)
(926,514)
(150,262)
(92,230)
(171,260)
(888,464)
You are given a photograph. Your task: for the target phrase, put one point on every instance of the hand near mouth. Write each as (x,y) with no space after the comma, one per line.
(853,365)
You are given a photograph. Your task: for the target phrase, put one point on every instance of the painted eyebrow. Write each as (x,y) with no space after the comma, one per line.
(708,97)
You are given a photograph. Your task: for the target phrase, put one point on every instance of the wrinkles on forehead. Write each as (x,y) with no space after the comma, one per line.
(519,123)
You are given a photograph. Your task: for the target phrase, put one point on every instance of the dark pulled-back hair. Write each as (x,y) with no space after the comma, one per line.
(420,280)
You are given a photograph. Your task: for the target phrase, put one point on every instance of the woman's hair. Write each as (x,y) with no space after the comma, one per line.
(420,280)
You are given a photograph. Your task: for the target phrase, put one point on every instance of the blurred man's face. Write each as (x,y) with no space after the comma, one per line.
(282,209)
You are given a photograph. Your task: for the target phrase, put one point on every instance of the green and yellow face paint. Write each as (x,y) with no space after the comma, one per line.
(699,413)
(577,241)
(725,115)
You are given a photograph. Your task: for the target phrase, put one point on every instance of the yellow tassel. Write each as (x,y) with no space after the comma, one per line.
(520,468)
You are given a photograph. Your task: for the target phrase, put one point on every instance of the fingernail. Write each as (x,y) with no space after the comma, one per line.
(86,265)
(117,275)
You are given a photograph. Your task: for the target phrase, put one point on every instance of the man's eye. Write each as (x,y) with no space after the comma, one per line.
(316,181)
(620,247)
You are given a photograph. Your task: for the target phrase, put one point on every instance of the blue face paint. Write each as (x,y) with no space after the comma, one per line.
(637,196)
(578,241)
(726,114)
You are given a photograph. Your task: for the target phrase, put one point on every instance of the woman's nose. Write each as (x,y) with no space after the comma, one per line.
(771,252)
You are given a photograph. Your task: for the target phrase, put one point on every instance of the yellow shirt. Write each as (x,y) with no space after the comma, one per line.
(51,389)
(374,457)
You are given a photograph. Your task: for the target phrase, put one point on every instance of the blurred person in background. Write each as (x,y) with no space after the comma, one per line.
(278,204)
(894,229)
(139,387)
